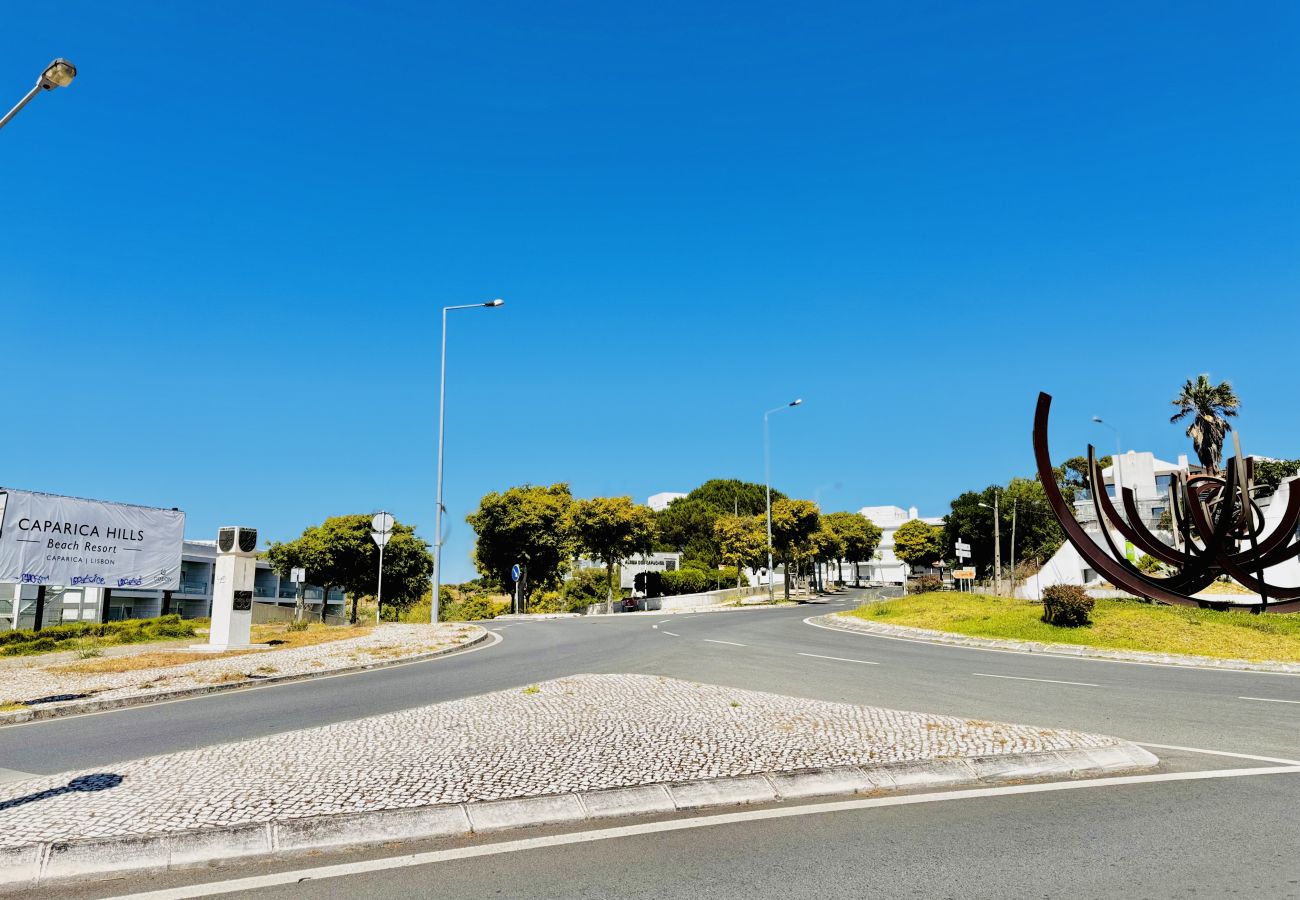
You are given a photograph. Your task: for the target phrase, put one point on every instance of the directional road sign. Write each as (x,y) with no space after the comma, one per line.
(514,572)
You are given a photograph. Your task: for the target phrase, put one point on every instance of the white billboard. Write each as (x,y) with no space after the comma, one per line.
(66,541)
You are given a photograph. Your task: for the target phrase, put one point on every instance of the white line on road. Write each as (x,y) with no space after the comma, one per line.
(1043,680)
(1271,759)
(257,882)
(841,659)
(1268,700)
(655,627)
(670,633)
(728,643)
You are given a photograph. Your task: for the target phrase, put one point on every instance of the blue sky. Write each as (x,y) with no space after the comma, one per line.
(224,248)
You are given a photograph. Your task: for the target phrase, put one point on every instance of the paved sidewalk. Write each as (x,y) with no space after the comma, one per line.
(572,735)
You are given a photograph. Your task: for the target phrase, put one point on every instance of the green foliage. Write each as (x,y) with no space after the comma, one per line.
(916,542)
(473,607)
(685,581)
(341,553)
(1067,606)
(583,588)
(729,496)
(611,529)
(130,631)
(299,625)
(1209,406)
(741,541)
(1270,473)
(794,522)
(1149,564)
(686,526)
(1072,475)
(859,535)
(527,525)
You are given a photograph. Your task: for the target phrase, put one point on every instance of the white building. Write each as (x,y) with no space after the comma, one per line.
(659,502)
(886,567)
(193,598)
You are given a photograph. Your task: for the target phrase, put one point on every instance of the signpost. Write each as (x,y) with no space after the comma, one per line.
(963,554)
(515,573)
(298,576)
(383,530)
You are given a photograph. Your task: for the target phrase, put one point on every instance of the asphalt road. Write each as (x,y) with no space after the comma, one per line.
(1166,839)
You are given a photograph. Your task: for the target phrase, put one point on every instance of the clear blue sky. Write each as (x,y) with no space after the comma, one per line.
(224,248)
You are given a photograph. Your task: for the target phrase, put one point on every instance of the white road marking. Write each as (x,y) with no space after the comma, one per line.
(1271,759)
(1046,653)
(841,659)
(1043,680)
(493,639)
(257,882)
(655,627)
(1268,700)
(728,643)
(670,633)
(662,621)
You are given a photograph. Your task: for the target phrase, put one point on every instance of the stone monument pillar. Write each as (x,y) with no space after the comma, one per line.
(232,590)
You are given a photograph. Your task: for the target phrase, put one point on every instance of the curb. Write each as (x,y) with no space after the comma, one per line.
(36,865)
(1073,651)
(88,706)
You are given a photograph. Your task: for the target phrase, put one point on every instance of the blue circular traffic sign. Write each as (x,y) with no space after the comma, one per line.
(514,571)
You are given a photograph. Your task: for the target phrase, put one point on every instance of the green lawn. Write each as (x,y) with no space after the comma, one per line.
(1117,624)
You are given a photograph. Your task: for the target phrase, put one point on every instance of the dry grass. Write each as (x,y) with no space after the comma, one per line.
(160,659)
(1117,624)
(1226,587)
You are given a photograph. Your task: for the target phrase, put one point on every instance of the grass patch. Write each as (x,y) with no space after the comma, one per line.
(1117,625)
(93,635)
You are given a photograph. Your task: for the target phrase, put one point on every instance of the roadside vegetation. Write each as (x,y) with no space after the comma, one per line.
(1116,624)
(87,637)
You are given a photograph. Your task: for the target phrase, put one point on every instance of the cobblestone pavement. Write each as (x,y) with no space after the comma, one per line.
(581,733)
(386,643)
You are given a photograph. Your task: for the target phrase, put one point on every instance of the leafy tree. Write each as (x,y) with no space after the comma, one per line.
(1210,406)
(742,541)
(1269,473)
(340,553)
(794,522)
(686,526)
(730,496)
(1038,534)
(860,537)
(1072,476)
(970,518)
(825,545)
(916,542)
(526,525)
(611,529)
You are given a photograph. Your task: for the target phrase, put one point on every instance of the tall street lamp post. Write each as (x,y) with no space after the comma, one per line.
(997,544)
(767,470)
(57,74)
(1097,420)
(442,417)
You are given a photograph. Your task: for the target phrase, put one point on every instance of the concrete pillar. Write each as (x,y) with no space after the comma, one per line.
(232,591)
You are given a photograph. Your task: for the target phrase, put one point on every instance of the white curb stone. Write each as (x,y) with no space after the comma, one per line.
(495,815)
(826,782)
(723,791)
(371,828)
(634,801)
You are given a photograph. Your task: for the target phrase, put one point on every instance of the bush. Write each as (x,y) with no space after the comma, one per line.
(130,631)
(584,587)
(479,606)
(685,581)
(924,584)
(1067,606)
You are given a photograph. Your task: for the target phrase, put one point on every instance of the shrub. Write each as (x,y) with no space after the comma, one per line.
(685,581)
(1067,606)
(1149,564)
(924,584)
(584,587)
(130,631)
(479,606)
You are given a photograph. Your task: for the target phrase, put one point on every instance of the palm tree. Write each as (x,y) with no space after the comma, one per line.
(1210,406)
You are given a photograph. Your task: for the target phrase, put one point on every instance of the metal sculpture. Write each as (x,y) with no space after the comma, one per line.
(1218,530)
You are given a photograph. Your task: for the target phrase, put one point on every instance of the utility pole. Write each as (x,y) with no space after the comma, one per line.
(997,546)
(1015,504)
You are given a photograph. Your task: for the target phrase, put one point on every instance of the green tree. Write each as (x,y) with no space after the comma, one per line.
(1209,406)
(970,518)
(825,546)
(730,496)
(526,525)
(611,529)
(742,541)
(1269,473)
(859,535)
(1037,533)
(794,522)
(340,553)
(916,542)
(685,526)
(1072,476)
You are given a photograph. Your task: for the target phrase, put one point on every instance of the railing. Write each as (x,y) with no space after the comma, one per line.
(192,586)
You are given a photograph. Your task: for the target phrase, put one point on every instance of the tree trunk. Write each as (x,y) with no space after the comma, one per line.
(609,588)
(355,598)
(857,573)
(786,579)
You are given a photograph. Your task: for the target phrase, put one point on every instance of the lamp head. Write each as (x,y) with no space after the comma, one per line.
(796,402)
(58,74)
(1098,420)
(497,302)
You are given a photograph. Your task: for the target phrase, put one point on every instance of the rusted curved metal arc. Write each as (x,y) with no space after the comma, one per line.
(1278,537)
(1106,511)
(1142,537)
(1178,498)
(1094,473)
(1119,575)
(1198,573)
(1263,588)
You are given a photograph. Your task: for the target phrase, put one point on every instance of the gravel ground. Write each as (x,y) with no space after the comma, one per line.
(385,643)
(580,733)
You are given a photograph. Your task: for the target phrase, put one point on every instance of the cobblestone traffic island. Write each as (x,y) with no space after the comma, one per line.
(573,735)
(35,686)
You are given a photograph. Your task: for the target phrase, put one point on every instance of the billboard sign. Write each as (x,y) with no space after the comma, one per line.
(66,541)
(964,574)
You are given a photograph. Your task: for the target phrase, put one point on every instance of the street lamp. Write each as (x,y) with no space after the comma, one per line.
(442,415)
(1119,496)
(997,543)
(767,469)
(57,74)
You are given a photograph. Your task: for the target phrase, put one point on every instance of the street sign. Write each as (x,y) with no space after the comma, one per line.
(515,572)
(381,537)
(962,546)
(382,522)
(964,574)
(297,575)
